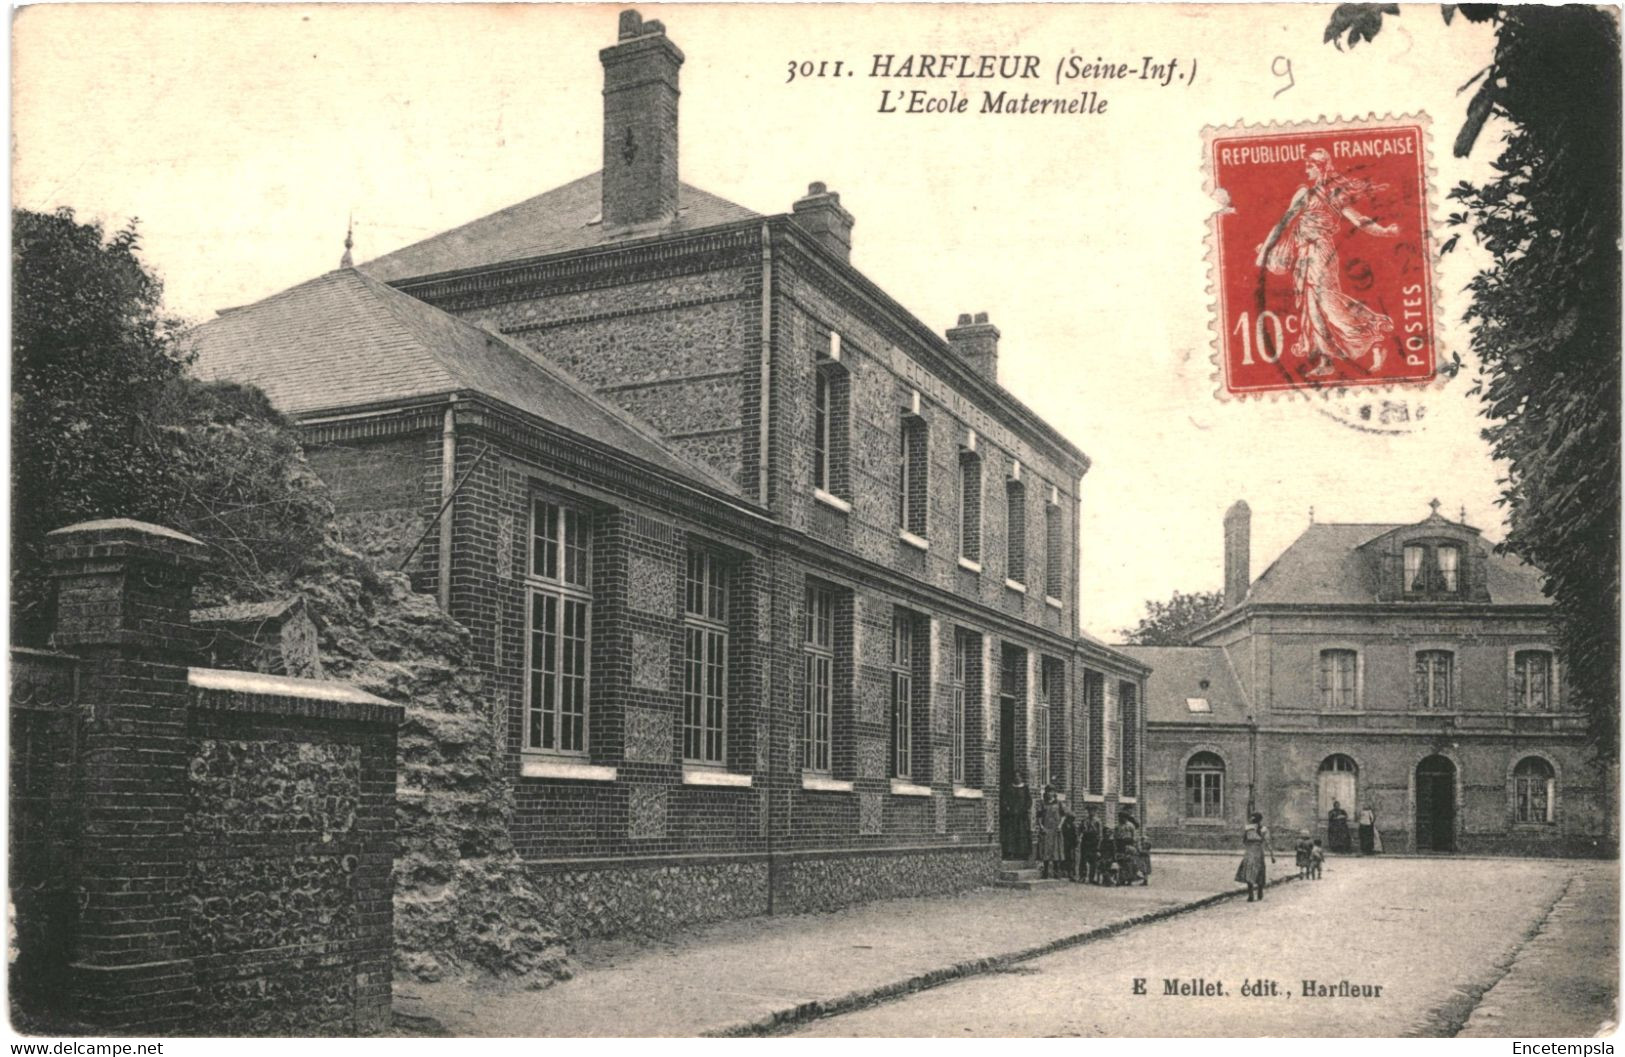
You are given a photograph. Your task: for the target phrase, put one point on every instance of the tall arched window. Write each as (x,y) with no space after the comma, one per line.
(1534,790)
(1204,786)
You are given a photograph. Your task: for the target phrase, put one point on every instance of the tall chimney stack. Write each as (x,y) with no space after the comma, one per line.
(977,341)
(640,125)
(821,216)
(1238,543)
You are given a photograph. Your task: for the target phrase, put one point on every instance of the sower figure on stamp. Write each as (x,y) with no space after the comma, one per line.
(1303,244)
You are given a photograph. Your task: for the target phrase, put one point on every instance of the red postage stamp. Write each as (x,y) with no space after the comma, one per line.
(1321,255)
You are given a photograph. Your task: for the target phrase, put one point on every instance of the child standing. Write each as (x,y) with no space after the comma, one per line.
(1305,850)
(1317,858)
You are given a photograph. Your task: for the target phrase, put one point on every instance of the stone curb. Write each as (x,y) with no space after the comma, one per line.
(781,1020)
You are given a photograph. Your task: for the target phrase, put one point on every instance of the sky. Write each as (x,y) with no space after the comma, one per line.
(245,138)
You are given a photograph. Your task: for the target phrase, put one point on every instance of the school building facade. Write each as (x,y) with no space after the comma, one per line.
(774,587)
(1402,667)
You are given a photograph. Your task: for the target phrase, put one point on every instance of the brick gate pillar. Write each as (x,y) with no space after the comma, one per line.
(124,593)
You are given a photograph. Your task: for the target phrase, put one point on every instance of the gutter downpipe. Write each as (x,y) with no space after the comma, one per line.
(764,380)
(448,481)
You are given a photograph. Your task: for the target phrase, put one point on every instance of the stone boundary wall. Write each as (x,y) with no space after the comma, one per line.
(194,852)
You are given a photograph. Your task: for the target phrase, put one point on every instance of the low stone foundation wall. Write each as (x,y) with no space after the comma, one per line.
(842,879)
(652,897)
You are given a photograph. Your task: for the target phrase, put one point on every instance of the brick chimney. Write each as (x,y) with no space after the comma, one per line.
(820,215)
(977,341)
(1238,543)
(640,125)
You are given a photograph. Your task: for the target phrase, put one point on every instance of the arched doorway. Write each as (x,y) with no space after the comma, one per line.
(1436,804)
(1339,786)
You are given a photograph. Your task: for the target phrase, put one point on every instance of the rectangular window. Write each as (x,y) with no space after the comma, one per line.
(705,658)
(1449,569)
(1204,786)
(1015,532)
(821,429)
(960,718)
(1094,697)
(1533,674)
(1128,705)
(902,694)
(1337,679)
(1041,731)
(1433,675)
(970,507)
(1054,687)
(818,656)
(1054,552)
(558,618)
(1413,567)
(911,475)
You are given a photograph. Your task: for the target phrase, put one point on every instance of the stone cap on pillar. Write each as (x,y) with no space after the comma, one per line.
(125,583)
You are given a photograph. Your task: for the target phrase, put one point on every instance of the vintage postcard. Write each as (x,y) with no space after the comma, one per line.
(690,520)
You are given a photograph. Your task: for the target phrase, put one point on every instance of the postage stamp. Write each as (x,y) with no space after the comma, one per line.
(1321,255)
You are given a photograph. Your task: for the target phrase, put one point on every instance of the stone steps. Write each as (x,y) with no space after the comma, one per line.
(1023,875)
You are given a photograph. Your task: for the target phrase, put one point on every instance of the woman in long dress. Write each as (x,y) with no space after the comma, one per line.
(1303,244)
(1255,843)
(1051,845)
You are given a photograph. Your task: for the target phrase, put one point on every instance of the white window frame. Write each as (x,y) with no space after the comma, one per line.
(1323,689)
(1430,700)
(818,679)
(552,582)
(709,628)
(961,686)
(1203,773)
(1520,697)
(1550,790)
(903,633)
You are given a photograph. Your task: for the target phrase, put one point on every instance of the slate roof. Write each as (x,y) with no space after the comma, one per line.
(556,221)
(1177,673)
(344,340)
(1325,566)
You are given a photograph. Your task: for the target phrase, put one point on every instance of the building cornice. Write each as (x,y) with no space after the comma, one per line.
(1480,610)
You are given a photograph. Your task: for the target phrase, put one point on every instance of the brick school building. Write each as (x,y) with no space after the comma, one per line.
(774,586)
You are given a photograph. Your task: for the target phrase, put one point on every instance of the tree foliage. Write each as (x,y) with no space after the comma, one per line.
(1170,623)
(1545,316)
(106,423)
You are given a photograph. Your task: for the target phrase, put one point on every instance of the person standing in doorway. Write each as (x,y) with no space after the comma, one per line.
(1337,828)
(1089,847)
(1255,844)
(1015,819)
(1368,830)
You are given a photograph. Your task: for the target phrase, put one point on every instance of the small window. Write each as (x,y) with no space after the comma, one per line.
(705,658)
(1414,559)
(912,475)
(830,432)
(1338,687)
(1204,786)
(1197,704)
(1434,672)
(1054,552)
(1532,681)
(1015,532)
(1534,790)
(970,506)
(1449,559)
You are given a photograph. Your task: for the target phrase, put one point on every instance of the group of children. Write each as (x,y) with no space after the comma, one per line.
(1311,856)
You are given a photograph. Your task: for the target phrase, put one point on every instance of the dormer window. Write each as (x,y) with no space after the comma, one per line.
(1432,569)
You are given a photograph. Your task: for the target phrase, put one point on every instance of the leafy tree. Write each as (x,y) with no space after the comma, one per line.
(1170,623)
(1546,312)
(105,423)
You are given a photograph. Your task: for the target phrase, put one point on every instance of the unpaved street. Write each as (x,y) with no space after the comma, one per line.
(1432,934)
